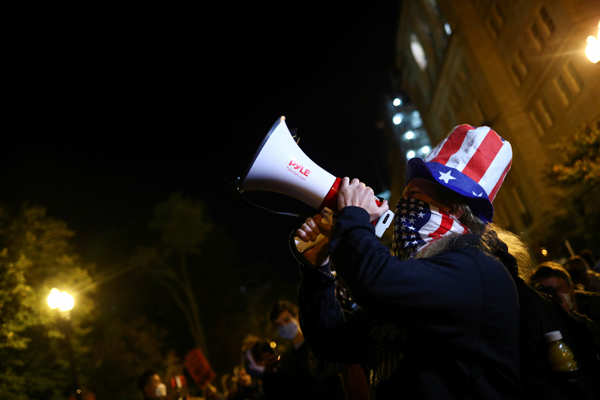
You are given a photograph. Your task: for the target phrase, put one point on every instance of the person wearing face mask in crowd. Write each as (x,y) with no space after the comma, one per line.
(152,386)
(284,316)
(440,315)
(297,374)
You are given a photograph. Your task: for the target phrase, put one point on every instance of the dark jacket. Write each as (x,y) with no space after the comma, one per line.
(459,310)
(300,375)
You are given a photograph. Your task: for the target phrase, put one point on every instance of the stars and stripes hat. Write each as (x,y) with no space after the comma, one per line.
(472,162)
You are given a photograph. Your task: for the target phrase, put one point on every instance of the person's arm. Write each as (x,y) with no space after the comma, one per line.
(332,335)
(375,277)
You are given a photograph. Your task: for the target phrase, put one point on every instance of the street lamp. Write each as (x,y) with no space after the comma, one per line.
(592,50)
(63,302)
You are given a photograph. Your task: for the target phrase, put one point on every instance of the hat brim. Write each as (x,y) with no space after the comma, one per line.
(456,181)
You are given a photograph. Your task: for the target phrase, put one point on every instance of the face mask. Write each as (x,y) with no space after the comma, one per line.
(161,390)
(289,330)
(417,224)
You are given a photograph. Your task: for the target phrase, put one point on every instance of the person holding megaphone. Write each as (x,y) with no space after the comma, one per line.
(438,317)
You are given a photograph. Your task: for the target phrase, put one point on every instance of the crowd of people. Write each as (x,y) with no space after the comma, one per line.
(456,309)
(268,369)
(569,289)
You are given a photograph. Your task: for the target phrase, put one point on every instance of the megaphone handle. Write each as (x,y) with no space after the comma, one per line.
(383,223)
(303,246)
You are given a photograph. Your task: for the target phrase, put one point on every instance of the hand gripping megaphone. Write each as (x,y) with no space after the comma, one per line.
(280,166)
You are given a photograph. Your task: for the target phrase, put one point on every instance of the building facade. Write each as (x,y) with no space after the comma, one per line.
(518,66)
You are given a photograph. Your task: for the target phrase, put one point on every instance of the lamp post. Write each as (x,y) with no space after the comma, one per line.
(63,303)
(592,50)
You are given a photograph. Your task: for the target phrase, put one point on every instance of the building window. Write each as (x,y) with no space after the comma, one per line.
(496,20)
(447,29)
(519,68)
(542,29)
(408,128)
(418,52)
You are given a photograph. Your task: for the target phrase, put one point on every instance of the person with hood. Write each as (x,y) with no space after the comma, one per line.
(438,318)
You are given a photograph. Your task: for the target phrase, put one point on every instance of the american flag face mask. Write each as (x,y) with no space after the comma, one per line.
(418,223)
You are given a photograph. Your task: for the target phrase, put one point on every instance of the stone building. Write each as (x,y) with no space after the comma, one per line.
(518,66)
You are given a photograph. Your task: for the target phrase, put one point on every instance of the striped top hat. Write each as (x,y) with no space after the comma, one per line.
(472,162)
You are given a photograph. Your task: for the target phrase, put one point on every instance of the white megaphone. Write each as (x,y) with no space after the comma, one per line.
(280,166)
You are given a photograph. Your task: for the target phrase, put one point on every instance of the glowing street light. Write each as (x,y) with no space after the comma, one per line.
(409,135)
(57,299)
(410,154)
(397,102)
(592,50)
(63,301)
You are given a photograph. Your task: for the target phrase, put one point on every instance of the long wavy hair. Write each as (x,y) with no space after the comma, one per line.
(492,238)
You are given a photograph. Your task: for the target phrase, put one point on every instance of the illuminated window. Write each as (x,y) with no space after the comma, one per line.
(447,29)
(415,119)
(417,51)
(397,119)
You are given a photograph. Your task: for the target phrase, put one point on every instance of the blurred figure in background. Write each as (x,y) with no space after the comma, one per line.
(554,280)
(245,382)
(592,261)
(152,386)
(583,276)
(226,384)
(300,375)
(243,386)
(211,393)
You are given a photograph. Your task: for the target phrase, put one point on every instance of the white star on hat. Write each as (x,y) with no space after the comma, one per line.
(446,176)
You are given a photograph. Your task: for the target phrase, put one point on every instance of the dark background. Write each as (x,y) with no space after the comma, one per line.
(108,111)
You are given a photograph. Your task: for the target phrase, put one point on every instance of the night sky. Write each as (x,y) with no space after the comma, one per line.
(112,110)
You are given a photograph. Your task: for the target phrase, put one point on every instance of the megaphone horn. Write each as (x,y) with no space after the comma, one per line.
(280,166)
